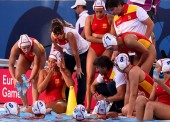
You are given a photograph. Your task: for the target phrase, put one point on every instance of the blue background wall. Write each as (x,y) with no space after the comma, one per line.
(33,18)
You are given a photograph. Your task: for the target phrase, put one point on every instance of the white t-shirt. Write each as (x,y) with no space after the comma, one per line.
(119,78)
(81,21)
(133,25)
(82,44)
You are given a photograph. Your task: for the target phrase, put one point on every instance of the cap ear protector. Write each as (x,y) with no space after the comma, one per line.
(109,40)
(99,4)
(39,107)
(122,60)
(55,55)
(11,108)
(166,65)
(160,62)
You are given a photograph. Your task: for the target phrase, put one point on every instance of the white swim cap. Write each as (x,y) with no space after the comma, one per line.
(122,60)
(101,107)
(24,41)
(79,112)
(109,40)
(166,65)
(39,107)
(160,62)
(55,55)
(11,108)
(99,4)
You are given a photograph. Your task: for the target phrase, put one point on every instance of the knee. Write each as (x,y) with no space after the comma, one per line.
(18,77)
(124,110)
(61,107)
(141,100)
(149,106)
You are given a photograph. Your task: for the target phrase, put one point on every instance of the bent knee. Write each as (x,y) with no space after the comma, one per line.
(61,107)
(141,100)
(18,77)
(124,110)
(149,105)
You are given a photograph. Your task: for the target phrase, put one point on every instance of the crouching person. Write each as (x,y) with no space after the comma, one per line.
(110,84)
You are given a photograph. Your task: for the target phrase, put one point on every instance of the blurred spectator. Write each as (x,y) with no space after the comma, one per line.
(80,8)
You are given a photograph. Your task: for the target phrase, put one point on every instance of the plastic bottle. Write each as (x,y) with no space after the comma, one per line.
(161,75)
(25,84)
(155,74)
(25,81)
(19,88)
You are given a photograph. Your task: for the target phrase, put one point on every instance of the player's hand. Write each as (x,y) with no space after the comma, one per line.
(15,82)
(79,72)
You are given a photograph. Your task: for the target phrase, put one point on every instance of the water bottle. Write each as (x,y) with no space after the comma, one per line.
(161,75)
(19,88)
(24,89)
(155,74)
(25,81)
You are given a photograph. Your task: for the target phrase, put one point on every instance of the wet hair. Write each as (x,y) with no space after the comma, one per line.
(57,26)
(113,3)
(103,61)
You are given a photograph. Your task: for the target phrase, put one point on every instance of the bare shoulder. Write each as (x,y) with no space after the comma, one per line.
(52,36)
(109,16)
(43,72)
(15,48)
(90,17)
(70,35)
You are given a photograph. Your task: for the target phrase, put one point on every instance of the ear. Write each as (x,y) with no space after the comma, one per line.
(105,69)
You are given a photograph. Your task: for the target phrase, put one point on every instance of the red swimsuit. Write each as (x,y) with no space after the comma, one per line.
(162,95)
(54,89)
(100,26)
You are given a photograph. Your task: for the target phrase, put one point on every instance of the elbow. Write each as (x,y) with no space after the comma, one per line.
(70,83)
(152,25)
(121,96)
(87,37)
(39,90)
(11,64)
